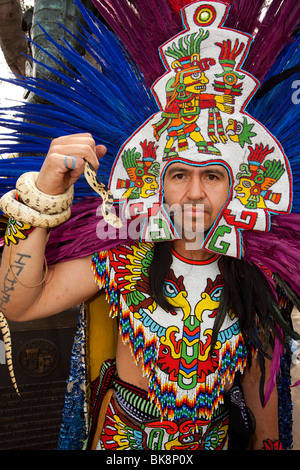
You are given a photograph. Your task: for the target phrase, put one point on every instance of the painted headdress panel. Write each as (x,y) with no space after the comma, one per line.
(202,121)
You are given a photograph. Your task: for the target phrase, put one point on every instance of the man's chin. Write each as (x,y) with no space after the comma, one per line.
(193,233)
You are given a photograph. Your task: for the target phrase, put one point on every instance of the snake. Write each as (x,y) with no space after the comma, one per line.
(47,211)
(106,195)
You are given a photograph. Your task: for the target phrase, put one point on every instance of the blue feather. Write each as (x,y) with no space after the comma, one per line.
(277,110)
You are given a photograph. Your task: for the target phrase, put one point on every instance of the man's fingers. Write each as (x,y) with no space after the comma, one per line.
(79,152)
(65,161)
(100,151)
(74,139)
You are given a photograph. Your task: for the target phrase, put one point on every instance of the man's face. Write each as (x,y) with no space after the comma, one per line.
(200,191)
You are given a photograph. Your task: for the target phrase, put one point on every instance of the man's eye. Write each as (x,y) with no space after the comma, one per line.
(179,176)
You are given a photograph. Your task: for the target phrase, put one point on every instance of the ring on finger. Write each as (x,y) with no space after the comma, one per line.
(73,162)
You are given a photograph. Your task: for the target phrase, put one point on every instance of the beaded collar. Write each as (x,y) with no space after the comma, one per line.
(186,378)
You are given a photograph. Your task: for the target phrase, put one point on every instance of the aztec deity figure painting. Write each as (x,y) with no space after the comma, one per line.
(203,119)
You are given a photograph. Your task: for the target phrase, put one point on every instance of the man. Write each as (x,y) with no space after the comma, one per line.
(70,283)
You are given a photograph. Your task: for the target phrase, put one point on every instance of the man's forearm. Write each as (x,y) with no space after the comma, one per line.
(41,199)
(264,418)
(22,273)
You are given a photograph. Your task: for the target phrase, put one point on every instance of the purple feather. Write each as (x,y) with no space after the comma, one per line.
(275,32)
(277,250)
(80,235)
(244,15)
(274,367)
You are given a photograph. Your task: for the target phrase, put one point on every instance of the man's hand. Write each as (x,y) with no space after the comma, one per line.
(54,177)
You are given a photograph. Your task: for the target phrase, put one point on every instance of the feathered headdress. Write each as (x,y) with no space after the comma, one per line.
(202,97)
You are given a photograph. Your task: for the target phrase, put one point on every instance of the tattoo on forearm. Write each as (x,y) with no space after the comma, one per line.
(19,263)
(8,287)
(10,278)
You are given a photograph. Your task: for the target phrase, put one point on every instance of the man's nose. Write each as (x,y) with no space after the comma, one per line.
(196,190)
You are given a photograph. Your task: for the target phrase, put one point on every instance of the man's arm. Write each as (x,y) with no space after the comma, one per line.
(66,284)
(265,418)
(27,290)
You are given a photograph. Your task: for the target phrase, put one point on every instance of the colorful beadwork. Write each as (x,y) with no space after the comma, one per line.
(186,378)
(73,430)
(16,231)
(121,434)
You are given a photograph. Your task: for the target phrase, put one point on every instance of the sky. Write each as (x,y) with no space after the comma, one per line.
(7,92)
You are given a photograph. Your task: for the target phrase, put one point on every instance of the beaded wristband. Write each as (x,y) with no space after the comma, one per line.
(16,231)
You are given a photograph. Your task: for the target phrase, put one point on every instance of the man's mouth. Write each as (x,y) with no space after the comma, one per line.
(194,215)
(194,208)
